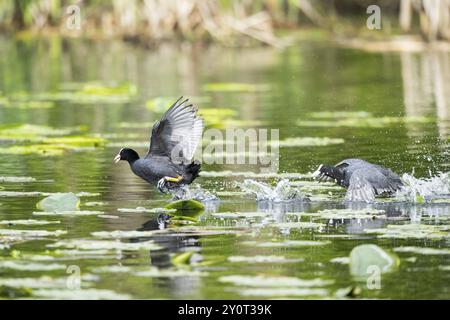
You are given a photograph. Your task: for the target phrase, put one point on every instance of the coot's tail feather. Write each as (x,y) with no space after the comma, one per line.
(191,172)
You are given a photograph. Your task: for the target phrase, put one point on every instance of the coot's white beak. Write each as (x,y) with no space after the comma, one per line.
(317,173)
(117,158)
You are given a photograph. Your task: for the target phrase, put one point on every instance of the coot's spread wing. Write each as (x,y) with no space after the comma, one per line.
(360,188)
(368,181)
(178,133)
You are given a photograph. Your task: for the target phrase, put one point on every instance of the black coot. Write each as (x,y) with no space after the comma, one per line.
(175,137)
(363,179)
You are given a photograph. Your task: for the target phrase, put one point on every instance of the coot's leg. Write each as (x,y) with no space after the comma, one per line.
(162,186)
(163,183)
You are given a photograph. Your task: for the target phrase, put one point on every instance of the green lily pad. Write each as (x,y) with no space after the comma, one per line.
(59,202)
(233,87)
(364,258)
(76,141)
(263,259)
(412,231)
(28,222)
(182,258)
(17,179)
(186,206)
(85,244)
(423,250)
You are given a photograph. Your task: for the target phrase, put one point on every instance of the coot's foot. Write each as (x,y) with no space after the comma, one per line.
(162,186)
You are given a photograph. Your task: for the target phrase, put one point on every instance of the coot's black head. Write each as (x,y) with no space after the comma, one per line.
(126,154)
(326,173)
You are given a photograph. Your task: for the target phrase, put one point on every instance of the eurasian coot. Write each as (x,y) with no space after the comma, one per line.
(363,179)
(175,137)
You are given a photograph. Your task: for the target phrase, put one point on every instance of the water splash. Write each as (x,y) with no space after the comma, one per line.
(283,191)
(424,190)
(194,192)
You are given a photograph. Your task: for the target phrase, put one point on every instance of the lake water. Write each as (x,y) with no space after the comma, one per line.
(397,113)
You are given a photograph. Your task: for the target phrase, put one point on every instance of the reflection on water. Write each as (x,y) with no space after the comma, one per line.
(298,81)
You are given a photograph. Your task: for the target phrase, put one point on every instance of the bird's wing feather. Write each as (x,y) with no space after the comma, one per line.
(178,133)
(360,189)
(365,183)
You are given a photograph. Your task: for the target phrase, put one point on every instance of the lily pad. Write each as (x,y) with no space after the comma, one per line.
(31,233)
(233,87)
(186,206)
(17,179)
(145,210)
(273,281)
(85,244)
(119,234)
(236,215)
(365,257)
(80,294)
(30,132)
(263,259)
(68,213)
(287,243)
(423,250)
(347,214)
(284,292)
(412,231)
(30,266)
(59,202)
(29,222)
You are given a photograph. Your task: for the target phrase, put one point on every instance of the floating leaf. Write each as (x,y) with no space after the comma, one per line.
(235,215)
(186,206)
(17,179)
(80,294)
(423,250)
(413,231)
(59,202)
(287,243)
(30,222)
(145,210)
(84,244)
(263,259)
(182,258)
(68,213)
(366,259)
(273,281)
(30,266)
(341,260)
(31,233)
(284,292)
(347,214)
(233,87)
(76,141)
(30,132)
(119,234)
